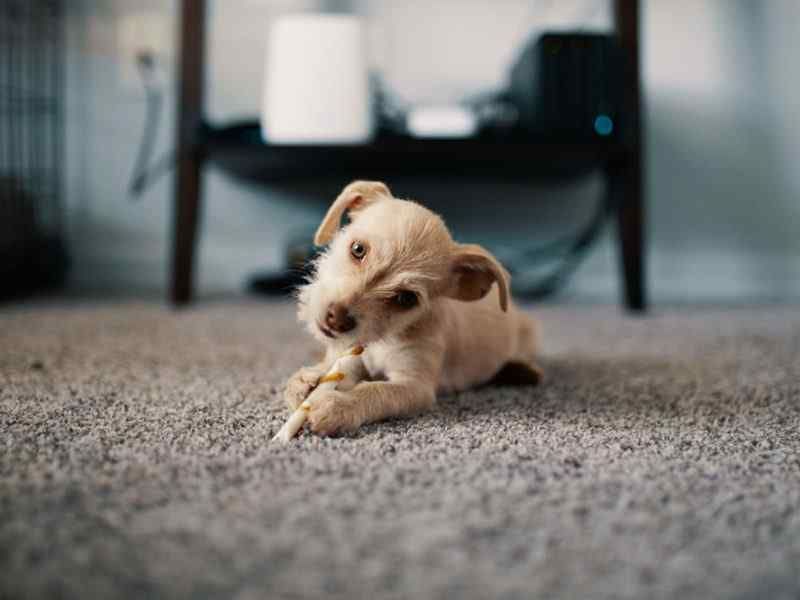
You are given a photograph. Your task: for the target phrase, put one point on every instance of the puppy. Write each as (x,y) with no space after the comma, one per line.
(433,315)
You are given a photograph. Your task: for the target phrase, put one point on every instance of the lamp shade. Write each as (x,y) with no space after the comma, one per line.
(316,84)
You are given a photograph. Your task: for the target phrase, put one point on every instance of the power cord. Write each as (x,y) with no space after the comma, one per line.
(143,174)
(572,250)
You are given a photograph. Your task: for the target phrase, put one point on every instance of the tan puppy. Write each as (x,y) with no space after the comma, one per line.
(434,315)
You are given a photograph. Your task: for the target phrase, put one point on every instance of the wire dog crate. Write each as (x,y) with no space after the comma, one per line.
(32,250)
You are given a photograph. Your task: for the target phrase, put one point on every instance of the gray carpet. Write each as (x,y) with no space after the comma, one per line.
(660,459)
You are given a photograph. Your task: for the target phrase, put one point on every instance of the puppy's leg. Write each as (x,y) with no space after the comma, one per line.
(518,373)
(369,401)
(523,369)
(300,385)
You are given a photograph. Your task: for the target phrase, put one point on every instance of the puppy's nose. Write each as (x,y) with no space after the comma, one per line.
(339,319)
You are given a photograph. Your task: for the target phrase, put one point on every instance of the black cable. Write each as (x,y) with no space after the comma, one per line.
(573,250)
(143,175)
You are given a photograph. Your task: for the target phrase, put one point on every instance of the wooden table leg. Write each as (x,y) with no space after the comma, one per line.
(188,178)
(626,178)
(625,186)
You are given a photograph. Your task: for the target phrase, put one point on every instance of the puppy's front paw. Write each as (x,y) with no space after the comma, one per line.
(334,412)
(300,385)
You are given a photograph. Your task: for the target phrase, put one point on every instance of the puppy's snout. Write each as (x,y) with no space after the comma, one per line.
(339,319)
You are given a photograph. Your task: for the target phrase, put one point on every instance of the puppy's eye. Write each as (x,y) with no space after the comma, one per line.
(358,250)
(405,299)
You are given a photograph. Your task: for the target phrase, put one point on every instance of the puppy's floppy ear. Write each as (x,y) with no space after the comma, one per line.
(353,198)
(473,270)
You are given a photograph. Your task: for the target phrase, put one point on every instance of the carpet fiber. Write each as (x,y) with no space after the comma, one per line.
(661,458)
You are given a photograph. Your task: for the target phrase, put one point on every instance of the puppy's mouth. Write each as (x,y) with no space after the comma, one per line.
(325,331)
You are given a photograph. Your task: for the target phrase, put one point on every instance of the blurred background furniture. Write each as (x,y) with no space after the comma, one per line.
(32,247)
(240,150)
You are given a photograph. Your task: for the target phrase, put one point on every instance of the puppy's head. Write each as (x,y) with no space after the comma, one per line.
(382,272)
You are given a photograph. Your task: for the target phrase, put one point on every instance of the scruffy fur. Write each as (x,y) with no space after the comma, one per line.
(461,331)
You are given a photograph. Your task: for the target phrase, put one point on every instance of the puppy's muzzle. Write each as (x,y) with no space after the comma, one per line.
(338,319)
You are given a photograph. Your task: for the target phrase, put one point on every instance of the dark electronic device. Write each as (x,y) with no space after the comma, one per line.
(567,85)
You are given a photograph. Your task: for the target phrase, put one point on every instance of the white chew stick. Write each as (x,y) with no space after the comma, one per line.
(345,373)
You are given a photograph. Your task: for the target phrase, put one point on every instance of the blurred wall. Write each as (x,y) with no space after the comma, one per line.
(722,134)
